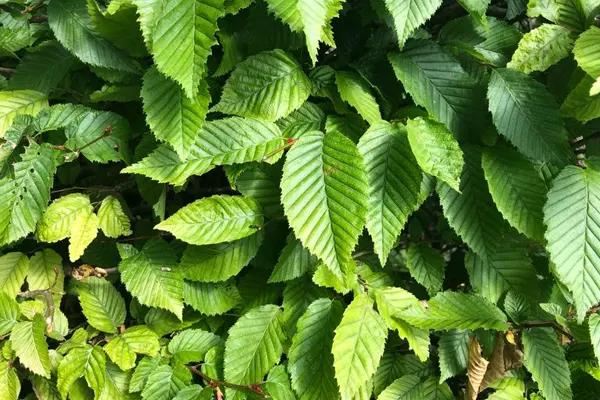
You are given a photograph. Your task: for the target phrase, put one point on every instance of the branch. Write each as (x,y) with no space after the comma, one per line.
(217,384)
(47,293)
(546,324)
(6,71)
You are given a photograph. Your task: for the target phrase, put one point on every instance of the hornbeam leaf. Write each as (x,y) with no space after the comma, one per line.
(587,51)
(19,102)
(594,324)
(545,359)
(324,196)
(426,266)
(453,350)
(408,15)
(13,269)
(102,304)
(573,219)
(10,386)
(436,150)
(356,92)
(9,311)
(214,220)
(112,219)
(358,345)
(411,387)
(211,298)
(541,48)
(453,310)
(28,341)
(268,86)
(123,349)
(294,261)
(86,361)
(152,277)
(165,382)
(582,104)
(182,38)
(60,217)
(83,232)
(527,115)
(476,8)
(192,345)
(394,181)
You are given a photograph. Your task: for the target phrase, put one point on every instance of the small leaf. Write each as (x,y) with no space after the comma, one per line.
(123,349)
(83,231)
(355,91)
(19,102)
(426,266)
(112,219)
(541,48)
(13,269)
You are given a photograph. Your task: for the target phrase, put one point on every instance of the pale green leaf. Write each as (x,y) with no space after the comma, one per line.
(112,218)
(358,345)
(152,277)
(267,86)
(594,325)
(453,310)
(9,311)
(13,269)
(211,298)
(394,181)
(436,150)
(545,359)
(192,345)
(46,271)
(355,91)
(86,361)
(324,196)
(182,38)
(528,116)
(123,349)
(83,231)
(426,265)
(408,15)
(476,8)
(411,387)
(165,382)
(541,48)
(59,218)
(28,341)
(102,304)
(215,219)
(10,386)
(19,102)
(573,220)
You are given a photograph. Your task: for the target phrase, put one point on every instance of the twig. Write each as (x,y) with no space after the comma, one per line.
(47,293)
(6,70)
(546,324)
(216,384)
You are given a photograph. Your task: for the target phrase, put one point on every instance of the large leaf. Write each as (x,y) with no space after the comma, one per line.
(173,117)
(182,39)
(152,278)
(267,86)
(193,344)
(545,359)
(358,345)
(394,182)
(517,189)
(86,361)
(102,304)
(25,197)
(313,17)
(527,115)
(72,26)
(587,51)
(28,342)
(215,219)
(310,358)
(19,102)
(437,81)
(452,310)
(254,345)
(408,15)
(573,219)
(13,269)
(211,298)
(59,218)
(541,48)
(324,196)
(436,150)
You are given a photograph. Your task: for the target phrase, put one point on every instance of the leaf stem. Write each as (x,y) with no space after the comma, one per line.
(216,384)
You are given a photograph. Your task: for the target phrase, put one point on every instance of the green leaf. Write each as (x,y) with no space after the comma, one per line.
(182,39)
(10,386)
(477,8)
(324,196)
(310,358)
(586,51)
(72,27)
(308,16)
(165,382)
(116,384)
(278,384)
(59,218)
(594,325)
(390,302)
(436,150)
(411,387)
(545,359)
(453,350)
(25,197)
(46,271)
(394,181)
(355,91)
(527,115)
(453,310)
(152,278)
(139,377)
(173,117)
(9,311)
(215,219)
(211,298)
(112,219)
(408,15)
(571,14)
(123,349)
(572,217)
(13,269)
(83,232)
(192,345)
(294,261)
(19,102)
(541,48)
(517,189)
(102,304)
(86,361)
(436,81)
(219,262)
(254,345)
(268,86)
(581,103)
(426,266)
(358,345)
(195,392)
(28,341)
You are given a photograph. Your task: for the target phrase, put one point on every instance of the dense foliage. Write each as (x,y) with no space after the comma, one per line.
(299,199)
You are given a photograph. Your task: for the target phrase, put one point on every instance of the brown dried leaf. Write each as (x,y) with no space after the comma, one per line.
(506,355)
(476,369)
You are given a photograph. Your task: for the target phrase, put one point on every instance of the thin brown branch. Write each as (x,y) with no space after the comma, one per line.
(546,324)
(217,384)
(6,71)
(49,300)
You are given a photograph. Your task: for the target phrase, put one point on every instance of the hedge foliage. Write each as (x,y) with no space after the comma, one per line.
(299,199)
